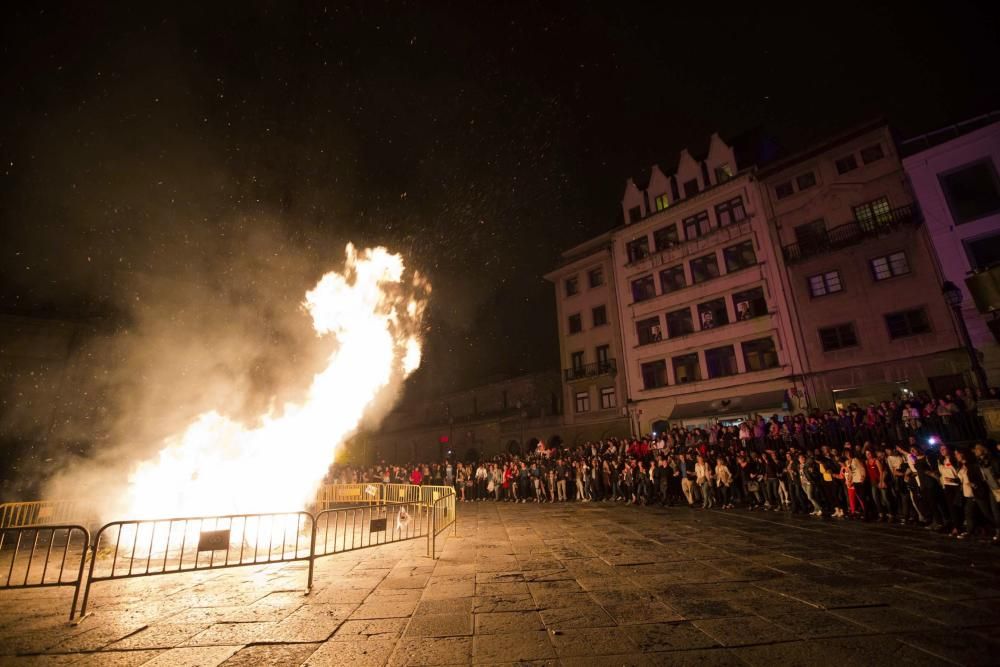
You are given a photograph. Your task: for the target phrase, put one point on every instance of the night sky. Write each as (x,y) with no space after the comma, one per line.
(185,139)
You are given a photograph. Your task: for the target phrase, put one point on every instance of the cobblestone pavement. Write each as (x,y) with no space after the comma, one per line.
(555,584)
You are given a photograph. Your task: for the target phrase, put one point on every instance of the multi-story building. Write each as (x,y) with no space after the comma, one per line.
(590,342)
(953,173)
(705,324)
(870,319)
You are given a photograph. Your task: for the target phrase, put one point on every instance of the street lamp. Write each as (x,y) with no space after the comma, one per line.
(953,297)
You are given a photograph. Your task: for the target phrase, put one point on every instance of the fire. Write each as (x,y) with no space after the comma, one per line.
(220,466)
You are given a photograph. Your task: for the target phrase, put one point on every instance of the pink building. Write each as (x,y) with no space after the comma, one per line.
(953,173)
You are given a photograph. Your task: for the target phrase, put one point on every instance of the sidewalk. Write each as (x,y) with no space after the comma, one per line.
(569,584)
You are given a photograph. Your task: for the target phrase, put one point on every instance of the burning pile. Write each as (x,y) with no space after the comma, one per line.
(220,466)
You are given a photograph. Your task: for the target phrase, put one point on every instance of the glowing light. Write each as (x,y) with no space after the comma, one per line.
(220,466)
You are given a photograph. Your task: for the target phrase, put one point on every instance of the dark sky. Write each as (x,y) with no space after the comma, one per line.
(480,139)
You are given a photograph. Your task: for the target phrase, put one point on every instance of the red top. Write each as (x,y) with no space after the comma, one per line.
(873,472)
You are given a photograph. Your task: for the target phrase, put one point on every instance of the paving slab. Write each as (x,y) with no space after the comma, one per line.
(570,584)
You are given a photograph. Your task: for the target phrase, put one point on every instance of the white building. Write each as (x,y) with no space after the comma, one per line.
(705,326)
(953,173)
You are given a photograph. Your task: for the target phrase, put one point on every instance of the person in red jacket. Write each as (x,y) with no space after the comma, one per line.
(416,477)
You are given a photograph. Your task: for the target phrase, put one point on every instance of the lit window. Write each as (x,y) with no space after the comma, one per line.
(873,214)
(759,355)
(729,212)
(825,283)
(889,266)
(723,173)
(607,398)
(662,202)
(583,401)
(686,368)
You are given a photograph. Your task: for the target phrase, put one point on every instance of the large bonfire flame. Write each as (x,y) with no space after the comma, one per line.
(220,466)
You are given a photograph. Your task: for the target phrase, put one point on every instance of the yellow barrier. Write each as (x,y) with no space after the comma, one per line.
(41,513)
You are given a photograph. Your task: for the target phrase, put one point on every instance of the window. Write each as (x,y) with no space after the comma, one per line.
(635,214)
(729,212)
(686,368)
(595,277)
(704,268)
(739,256)
(697,225)
(723,173)
(907,323)
(721,361)
(600,315)
(825,283)
(583,401)
(983,252)
(665,237)
(873,214)
(759,354)
(637,249)
(662,202)
(782,190)
(648,330)
(575,323)
(838,337)
(607,398)
(890,266)
(679,323)
(972,191)
(712,314)
(672,279)
(805,181)
(654,374)
(603,353)
(572,286)
(576,362)
(872,153)
(811,236)
(643,288)
(691,188)
(749,304)
(846,164)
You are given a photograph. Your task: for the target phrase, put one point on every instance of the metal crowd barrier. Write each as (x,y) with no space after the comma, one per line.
(128,549)
(342,530)
(40,513)
(44,556)
(442,515)
(381,514)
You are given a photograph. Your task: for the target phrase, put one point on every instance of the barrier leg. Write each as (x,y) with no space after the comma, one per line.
(79,579)
(90,576)
(312,557)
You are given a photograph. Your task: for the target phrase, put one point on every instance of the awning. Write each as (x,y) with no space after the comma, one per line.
(737,405)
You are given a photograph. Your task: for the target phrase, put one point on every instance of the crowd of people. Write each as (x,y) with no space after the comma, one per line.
(893,462)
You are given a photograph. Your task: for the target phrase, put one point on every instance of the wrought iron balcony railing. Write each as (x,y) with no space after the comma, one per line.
(852,233)
(591,370)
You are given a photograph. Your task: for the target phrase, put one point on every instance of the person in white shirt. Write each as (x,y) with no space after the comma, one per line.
(723,480)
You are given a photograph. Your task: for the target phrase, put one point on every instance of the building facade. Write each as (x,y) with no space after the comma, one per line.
(870,319)
(954,175)
(504,416)
(705,324)
(590,344)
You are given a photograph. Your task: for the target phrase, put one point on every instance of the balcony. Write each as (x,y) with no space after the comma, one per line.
(852,233)
(608,367)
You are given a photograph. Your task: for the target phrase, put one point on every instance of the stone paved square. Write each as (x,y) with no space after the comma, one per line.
(571,584)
